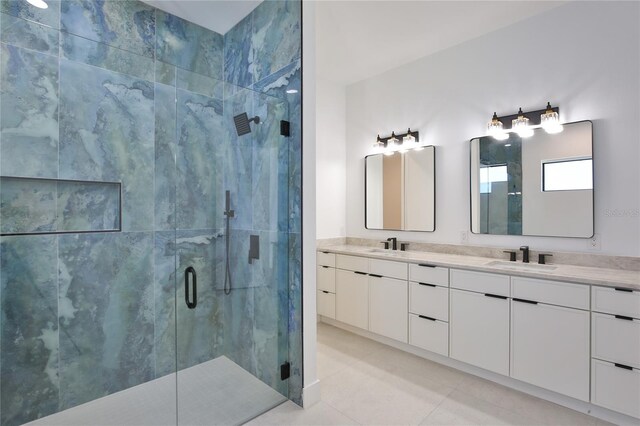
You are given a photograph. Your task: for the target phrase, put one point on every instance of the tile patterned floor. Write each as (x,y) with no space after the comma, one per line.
(365,382)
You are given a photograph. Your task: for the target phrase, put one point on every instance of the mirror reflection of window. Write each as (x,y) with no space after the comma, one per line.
(568,175)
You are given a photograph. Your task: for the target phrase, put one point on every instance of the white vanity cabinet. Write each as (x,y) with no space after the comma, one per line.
(615,349)
(326,284)
(479,320)
(550,342)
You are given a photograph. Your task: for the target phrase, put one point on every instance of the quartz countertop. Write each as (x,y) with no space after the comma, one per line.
(551,271)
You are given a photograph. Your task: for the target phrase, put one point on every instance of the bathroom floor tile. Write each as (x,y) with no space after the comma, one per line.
(366,382)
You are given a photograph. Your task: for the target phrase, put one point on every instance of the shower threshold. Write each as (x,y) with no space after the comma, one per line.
(216,392)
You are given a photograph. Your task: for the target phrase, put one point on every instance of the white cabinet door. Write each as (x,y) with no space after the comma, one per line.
(326,277)
(388,310)
(352,298)
(327,304)
(550,347)
(479,330)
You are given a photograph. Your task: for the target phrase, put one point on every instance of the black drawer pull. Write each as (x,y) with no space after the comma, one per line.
(495,296)
(531,302)
(360,273)
(325,292)
(375,275)
(325,266)
(427,318)
(426,265)
(324,252)
(626,367)
(626,290)
(427,284)
(622,317)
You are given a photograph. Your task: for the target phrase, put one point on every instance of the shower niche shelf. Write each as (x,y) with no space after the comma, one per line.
(38,206)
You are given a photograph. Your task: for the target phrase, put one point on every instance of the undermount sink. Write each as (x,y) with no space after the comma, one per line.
(521,266)
(388,252)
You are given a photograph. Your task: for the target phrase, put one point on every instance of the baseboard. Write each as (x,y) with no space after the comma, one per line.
(311,394)
(556,398)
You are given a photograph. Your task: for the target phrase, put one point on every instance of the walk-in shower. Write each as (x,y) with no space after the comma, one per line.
(131,202)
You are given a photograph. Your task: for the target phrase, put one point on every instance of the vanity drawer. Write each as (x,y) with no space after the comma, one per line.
(615,388)
(352,263)
(429,300)
(388,268)
(616,302)
(480,282)
(615,339)
(326,279)
(327,304)
(429,334)
(326,259)
(551,292)
(425,273)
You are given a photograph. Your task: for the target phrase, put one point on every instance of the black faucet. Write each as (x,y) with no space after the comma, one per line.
(525,254)
(394,243)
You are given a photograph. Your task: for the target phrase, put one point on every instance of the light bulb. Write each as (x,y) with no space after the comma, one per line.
(521,125)
(495,129)
(389,153)
(41,4)
(409,139)
(393,140)
(550,121)
(503,136)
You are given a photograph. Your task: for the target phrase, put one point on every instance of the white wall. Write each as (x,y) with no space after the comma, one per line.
(331,159)
(311,390)
(583,56)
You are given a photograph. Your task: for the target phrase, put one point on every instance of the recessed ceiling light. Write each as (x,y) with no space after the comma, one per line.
(41,4)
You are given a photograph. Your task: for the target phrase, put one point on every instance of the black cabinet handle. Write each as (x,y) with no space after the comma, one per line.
(325,252)
(626,290)
(375,276)
(427,284)
(326,267)
(531,302)
(427,318)
(495,296)
(325,292)
(626,367)
(360,273)
(623,317)
(426,265)
(194,282)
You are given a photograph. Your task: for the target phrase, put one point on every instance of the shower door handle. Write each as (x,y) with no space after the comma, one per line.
(190,271)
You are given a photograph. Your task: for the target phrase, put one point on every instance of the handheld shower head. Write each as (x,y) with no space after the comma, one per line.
(242,123)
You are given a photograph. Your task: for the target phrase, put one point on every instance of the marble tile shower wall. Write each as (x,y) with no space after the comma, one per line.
(120,91)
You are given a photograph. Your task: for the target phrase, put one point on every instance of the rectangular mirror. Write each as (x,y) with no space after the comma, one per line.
(541,185)
(400,191)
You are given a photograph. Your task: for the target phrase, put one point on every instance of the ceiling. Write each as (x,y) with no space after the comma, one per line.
(217,15)
(359,39)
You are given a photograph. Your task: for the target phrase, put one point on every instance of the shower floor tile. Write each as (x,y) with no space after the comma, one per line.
(216,392)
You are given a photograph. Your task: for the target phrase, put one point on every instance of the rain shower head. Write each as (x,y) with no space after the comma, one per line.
(242,123)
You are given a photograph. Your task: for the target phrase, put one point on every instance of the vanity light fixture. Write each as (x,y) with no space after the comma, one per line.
(521,125)
(550,120)
(398,143)
(40,4)
(495,128)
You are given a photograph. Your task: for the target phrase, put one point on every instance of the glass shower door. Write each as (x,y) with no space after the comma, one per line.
(231,258)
